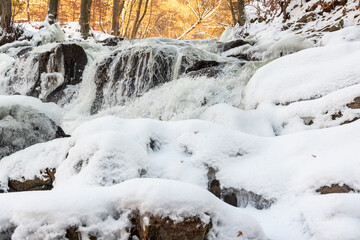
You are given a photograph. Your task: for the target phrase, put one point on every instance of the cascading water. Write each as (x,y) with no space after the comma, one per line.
(154,78)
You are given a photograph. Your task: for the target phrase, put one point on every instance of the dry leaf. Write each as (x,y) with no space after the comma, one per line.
(239,234)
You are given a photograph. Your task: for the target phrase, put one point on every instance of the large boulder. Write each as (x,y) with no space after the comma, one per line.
(23,126)
(130,73)
(48,75)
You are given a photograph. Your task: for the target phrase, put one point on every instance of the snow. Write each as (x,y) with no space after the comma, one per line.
(305,75)
(51,110)
(57,210)
(271,127)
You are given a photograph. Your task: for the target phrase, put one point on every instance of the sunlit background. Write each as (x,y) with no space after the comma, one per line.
(159,18)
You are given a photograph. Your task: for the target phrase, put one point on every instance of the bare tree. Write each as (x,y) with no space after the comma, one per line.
(53,11)
(202,10)
(6,15)
(28,10)
(237,12)
(85,18)
(232,10)
(117,10)
(139,17)
(241,12)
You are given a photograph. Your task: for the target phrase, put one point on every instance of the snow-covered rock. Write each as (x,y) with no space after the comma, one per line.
(25,121)
(51,75)
(106,212)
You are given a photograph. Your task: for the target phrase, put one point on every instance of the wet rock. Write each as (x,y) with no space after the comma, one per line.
(334,188)
(204,68)
(213,183)
(21,127)
(23,51)
(150,227)
(243,198)
(234,44)
(112,41)
(243,56)
(130,73)
(236,197)
(44,183)
(47,75)
(72,233)
(201,65)
(230,198)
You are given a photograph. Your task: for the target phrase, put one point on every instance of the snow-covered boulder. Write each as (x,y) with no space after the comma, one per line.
(314,88)
(49,75)
(25,121)
(141,208)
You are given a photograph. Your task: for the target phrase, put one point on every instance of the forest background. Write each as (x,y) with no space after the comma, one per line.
(141,18)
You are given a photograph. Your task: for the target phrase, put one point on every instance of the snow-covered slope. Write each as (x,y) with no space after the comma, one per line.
(162,129)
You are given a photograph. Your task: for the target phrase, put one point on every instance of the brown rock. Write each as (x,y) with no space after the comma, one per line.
(33,184)
(230,198)
(355,104)
(334,188)
(150,227)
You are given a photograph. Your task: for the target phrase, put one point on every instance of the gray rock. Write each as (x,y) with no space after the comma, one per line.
(21,127)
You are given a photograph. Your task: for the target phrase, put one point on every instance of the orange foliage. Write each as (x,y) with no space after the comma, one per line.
(164,18)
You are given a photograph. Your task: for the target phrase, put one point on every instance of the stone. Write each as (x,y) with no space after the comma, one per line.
(46,75)
(243,198)
(334,188)
(112,41)
(130,73)
(233,44)
(44,183)
(244,56)
(355,104)
(204,68)
(21,127)
(149,227)
(230,198)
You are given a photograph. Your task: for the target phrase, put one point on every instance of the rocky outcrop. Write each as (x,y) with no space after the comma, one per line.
(204,68)
(233,44)
(335,188)
(130,73)
(46,75)
(21,127)
(111,41)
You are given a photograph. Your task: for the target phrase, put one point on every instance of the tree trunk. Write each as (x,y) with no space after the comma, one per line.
(137,24)
(28,10)
(53,11)
(85,18)
(6,15)
(115,18)
(241,13)
(233,15)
